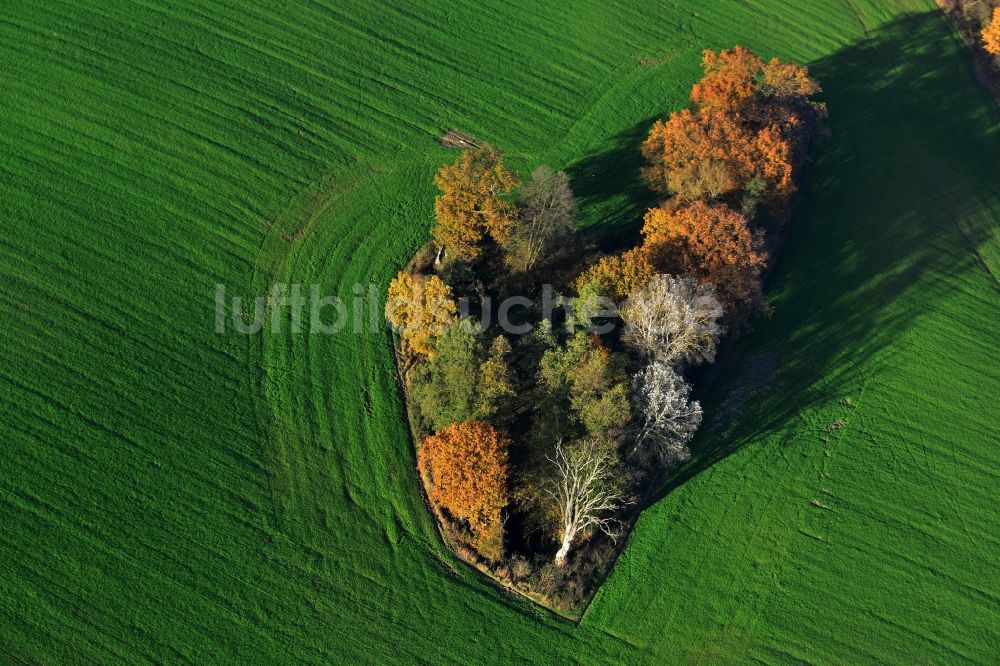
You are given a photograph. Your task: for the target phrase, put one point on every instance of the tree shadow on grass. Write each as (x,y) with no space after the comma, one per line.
(611,192)
(877,220)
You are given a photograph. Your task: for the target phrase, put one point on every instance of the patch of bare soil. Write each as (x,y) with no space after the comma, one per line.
(455,139)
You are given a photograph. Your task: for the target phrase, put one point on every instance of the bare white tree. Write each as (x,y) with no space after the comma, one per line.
(585,489)
(668,419)
(673,319)
(547,209)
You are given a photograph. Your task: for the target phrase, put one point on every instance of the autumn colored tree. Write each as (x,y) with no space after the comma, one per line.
(697,155)
(745,132)
(465,470)
(707,154)
(739,83)
(730,79)
(617,276)
(771,98)
(419,307)
(471,204)
(712,244)
(774,95)
(991,34)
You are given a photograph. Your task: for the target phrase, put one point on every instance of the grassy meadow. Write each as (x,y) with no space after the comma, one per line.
(170,494)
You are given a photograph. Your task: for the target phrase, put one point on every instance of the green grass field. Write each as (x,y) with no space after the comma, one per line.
(169,494)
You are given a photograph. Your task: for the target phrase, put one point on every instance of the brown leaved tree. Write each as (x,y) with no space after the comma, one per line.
(991,34)
(465,469)
(744,135)
(471,205)
(712,244)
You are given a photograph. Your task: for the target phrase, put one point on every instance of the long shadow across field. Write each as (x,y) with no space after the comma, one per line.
(878,208)
(609,186)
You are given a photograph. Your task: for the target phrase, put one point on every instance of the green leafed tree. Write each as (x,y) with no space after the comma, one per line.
(462,380)
(583,383)
(444,388)
(495,390)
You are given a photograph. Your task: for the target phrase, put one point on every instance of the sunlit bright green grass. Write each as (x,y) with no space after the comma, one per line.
(171,494)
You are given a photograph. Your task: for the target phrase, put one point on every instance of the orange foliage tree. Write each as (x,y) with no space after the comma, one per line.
(760,95)
(745,131)
(419,307)
(738,82)
(991,34)
(617,276)
(471,203)
(465,470)
(712,244)
(707,154)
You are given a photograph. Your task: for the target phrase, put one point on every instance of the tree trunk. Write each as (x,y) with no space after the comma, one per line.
(563,550)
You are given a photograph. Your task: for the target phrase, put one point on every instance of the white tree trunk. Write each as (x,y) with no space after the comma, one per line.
(585,490)
(564,550)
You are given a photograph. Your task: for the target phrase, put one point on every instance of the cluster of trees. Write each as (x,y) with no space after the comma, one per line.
(532,446)
(728,160)
(461,385)
(474,211)
(991,34)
